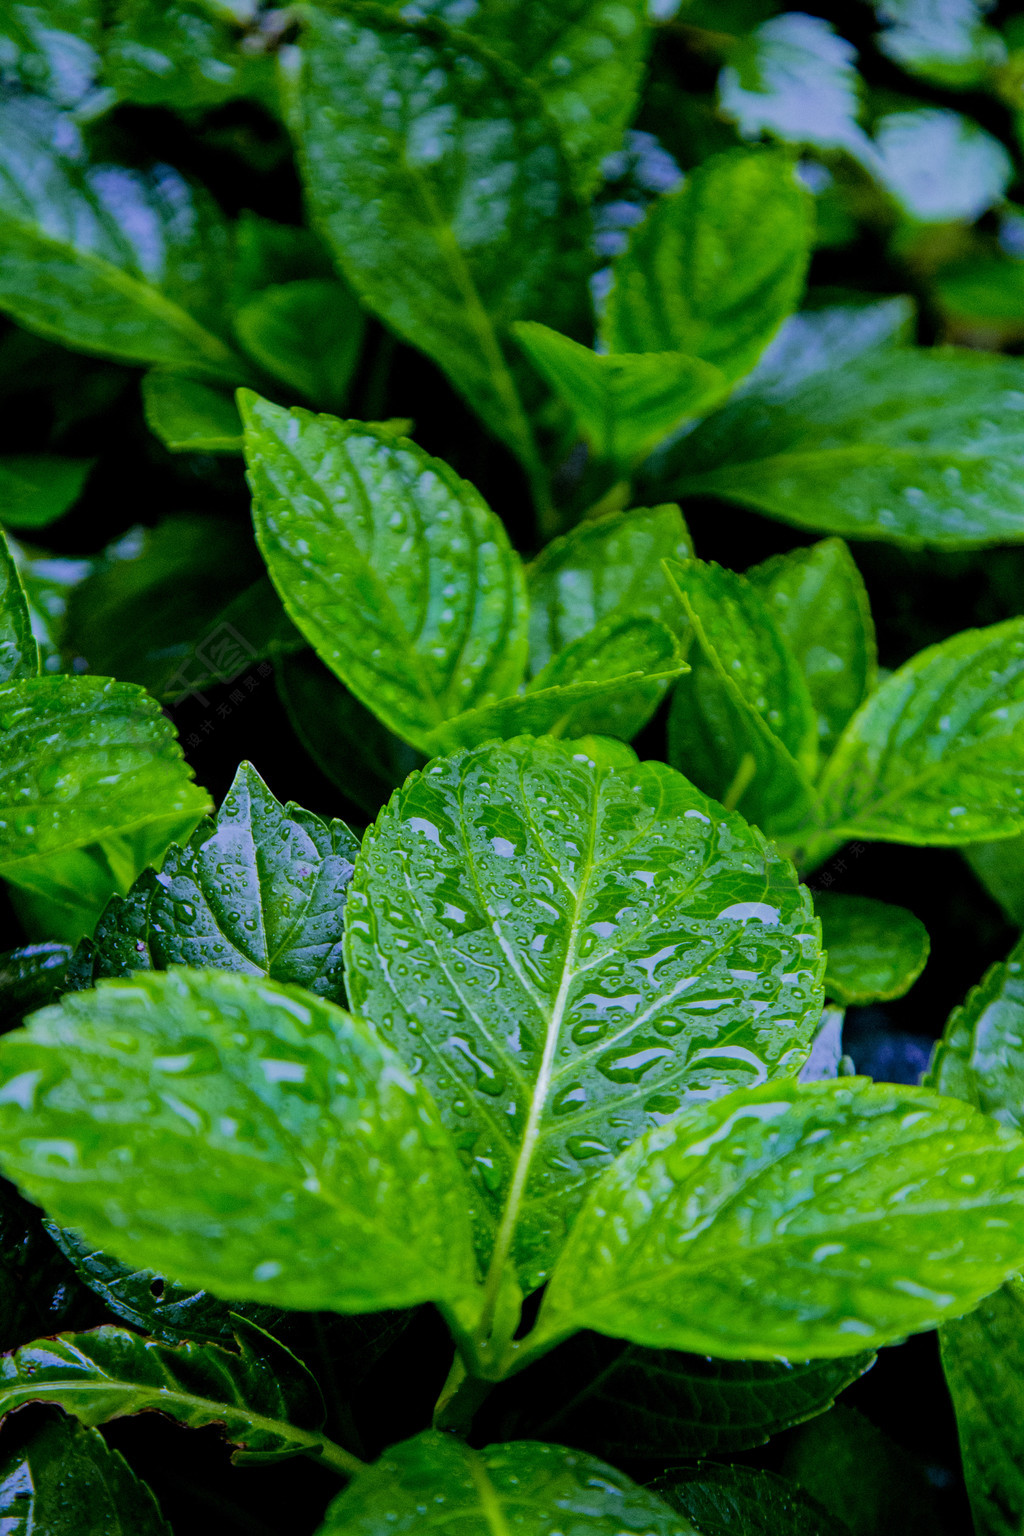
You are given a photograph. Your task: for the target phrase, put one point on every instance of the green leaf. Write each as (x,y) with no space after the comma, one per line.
(608,567)
(743,724)
(916,447)
(862,1477)
(19,653)
(189,416)
(717,266)
(186,55)
(875,951)
(38,1289)
(394,569)
(37,489)
(52,50)
(586,59)
(940,166)
(935,755)
(307,333)
(523,1486)
(105,259)
(260,1396)
(983,1360)
(29,977)
(949,45)
(739,1501)
(623,404)
(980,1057)
(60,1479)
(581,950)
(827,338)
(406,132)
(816,1219)
(247,1176)
(817,598)
(1000,868)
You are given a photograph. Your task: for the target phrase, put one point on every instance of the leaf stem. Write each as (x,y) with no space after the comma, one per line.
(331,1454)
(741,781)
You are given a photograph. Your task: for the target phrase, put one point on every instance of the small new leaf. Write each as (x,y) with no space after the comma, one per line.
(876,951)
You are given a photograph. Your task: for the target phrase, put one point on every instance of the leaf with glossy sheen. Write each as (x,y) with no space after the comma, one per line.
(581,949)
(259,1395)
(524,1486)
(915,446)
(105,259)
(626,403)
(980,1057)
(38,1289)
(395,570)
(19,653)
(936,755)
(240,1099)
(51,49)
(948,44)
(586,58)
(739,1501)
(610,566)
(307,333)
(805,1220)
(818,340)
(717,266)
(440,183)
(876,951)
(37,489)
(58,1478)
(940,166)
(29,977)
(820,606)
(983,1361)
(189,416)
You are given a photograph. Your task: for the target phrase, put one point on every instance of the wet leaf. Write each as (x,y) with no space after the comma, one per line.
(876,951)
(29,977)
(739,1501)
(186,54)
(62,1479)
(37,489)
(394,569)
(817,1219)
(38,1289)
(239,1098)
(19,653)
(307,333)
(983,1360)
(581,948)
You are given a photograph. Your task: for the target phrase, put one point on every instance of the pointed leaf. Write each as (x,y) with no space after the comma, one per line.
(394,569)
(189,416)
(717,266)
(582,948)
(37,489)
(307,333)
(875,951)
(524,1485)
(936,756)
(19,653)
(820,606)
(822,340)
(806,1220)
(739,1501)
(61,1479)
(240,1099)
(983,1360)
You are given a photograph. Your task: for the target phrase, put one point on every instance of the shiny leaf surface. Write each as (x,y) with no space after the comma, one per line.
(61,1479)
(876,951)
(983,1360)
(19,653)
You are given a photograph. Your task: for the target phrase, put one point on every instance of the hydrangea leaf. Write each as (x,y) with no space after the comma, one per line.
(308,333)
(37,489)
(59,1477)
(19,653)
(876,951)
(189,416)
(742,1501)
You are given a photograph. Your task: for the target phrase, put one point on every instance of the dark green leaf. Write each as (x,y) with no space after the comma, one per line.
(817,598)
(395,570)
(581,949)
(19,653)
(52,49)
(189,416)
(875,951)
(406,134)
(611,566)
(307,333)
(1000,868)
(980,1057)
(860,1475)
(814,1219)
(523,1486)
(739,1501)
(912,446)
(185,54)
(822,340)
(260,1396)
(38,1289)
(240,1099)
(30,977)
(625,404)
(60,1479)
(717,266)
(983,1358)
(105,259)
(37,489)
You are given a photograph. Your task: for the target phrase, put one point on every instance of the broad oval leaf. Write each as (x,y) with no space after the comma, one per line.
(876,951)
(60,1478)
(106,259)
(936,754)
(440,183)
(742,1501)
(805,1220)
(37,489)
(394,569)
(525,1486)
(717,266)
(566,953)
(259,1395)
(19,653)
(237,1100)
(189,416)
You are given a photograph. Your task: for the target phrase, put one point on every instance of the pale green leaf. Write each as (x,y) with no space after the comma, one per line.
(582,948)
(59,1479)
(816,1219)
(717,266)
(875,951)
(739,1501)
(394,569)
(189,416)
(36,489)
(307,333)
(19,653)
(240,1099)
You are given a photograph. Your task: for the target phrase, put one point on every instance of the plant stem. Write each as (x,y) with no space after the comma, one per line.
(461,1396)
(741,782)
(331,1454)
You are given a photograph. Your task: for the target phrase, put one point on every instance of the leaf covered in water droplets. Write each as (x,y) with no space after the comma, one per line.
(204,1123)
(980,1057)
(810,1220)
(19,653)
(60,1478)
(566,952)
(521,1486)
